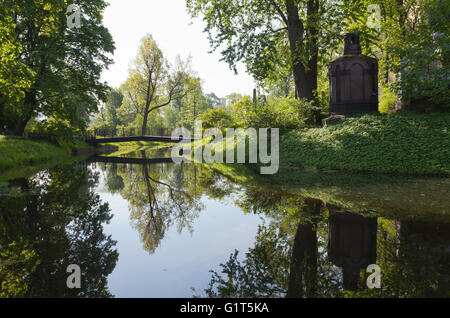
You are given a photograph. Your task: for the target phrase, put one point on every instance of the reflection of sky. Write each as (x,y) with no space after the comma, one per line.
(182,260)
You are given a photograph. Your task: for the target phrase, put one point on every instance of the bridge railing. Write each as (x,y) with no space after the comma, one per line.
(126,132)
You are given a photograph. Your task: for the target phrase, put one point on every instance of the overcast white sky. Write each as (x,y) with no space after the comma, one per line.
(169,23)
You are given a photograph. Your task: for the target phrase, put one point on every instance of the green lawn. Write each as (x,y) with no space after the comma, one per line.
(16,151)
(403,143)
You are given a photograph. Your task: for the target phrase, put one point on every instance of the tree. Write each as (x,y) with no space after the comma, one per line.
(255,32)
(194,104)
(216,118)
(108,116)
(411,45)
(214,101)
(15,77)
(162,84)
(59,67)
(132,108)
(233,98)
(424,73)
(113,103)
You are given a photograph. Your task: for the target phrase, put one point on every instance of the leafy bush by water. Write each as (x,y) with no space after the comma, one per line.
(398,143)
(284,113)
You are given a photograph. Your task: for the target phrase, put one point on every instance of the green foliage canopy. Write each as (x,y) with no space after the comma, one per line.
(48,68)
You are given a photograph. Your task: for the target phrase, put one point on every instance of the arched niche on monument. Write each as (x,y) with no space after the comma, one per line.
(353,80)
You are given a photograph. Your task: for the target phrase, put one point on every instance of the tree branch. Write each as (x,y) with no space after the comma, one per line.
(171,97)
(280,12)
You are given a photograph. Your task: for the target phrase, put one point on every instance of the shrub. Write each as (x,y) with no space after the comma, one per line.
(387,101)
(57,131)
(216,118)
(423,59)
(294,113)
(399,143)
(286,113)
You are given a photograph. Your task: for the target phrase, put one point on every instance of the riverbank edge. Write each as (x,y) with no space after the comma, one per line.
(356,192)
(403,144)
(20,152)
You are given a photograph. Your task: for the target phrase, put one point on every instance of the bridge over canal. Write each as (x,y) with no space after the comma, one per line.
(104,136)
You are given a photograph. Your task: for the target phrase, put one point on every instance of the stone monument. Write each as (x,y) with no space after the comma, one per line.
(353,81)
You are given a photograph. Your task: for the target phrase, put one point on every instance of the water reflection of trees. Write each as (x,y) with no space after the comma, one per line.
(307,249)
(48,222)
(312,250)
(162,196)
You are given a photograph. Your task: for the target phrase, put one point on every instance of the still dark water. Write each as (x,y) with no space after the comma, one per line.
(166,230)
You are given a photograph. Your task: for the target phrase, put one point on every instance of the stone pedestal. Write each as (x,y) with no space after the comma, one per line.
(334,119)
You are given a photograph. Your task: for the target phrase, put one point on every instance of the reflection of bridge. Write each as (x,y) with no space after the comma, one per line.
(96,141)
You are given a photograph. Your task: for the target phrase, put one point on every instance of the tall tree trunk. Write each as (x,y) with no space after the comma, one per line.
(2,122)
(303,269)
(147,103)
(305,76)
(295,34)
(304,262)
(312,33)
(30,103)
(20,127)
(144,123)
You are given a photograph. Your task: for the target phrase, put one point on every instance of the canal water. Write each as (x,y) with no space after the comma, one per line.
(167,230)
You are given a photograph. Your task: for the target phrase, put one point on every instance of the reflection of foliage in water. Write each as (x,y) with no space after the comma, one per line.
(414,257)
(47,222)
(114,182)
(159,196)
(397,197)
(164,195)
(18,260)
(263,273)
(290,255)
(278,265)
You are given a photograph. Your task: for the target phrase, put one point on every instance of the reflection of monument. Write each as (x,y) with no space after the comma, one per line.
(352,243)
(353,80)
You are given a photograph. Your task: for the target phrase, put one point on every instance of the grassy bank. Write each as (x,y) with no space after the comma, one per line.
(400,143)
(20,152)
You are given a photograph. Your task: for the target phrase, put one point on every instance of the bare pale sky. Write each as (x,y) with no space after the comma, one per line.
(169,23)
